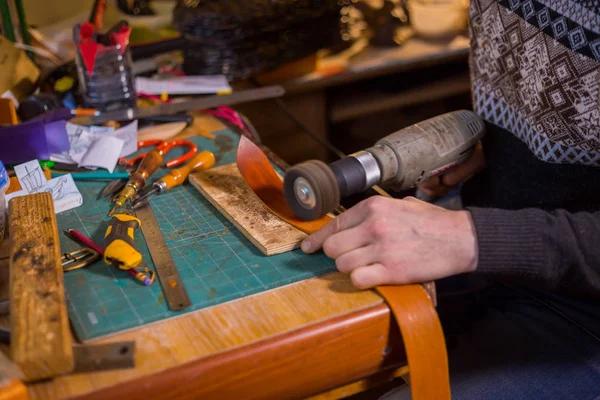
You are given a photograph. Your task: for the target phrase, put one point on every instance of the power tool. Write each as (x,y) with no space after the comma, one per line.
(399,161)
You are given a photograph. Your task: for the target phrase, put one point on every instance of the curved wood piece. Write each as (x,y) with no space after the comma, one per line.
(262,178)
(411,305)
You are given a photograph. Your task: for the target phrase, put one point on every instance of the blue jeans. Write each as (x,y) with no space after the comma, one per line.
(511,343)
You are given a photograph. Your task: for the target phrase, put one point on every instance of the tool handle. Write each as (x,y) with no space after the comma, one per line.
(149,165)
(201,161)
(119,248)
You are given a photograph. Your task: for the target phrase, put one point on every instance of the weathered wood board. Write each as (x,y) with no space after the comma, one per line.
(225,188)
(41,343)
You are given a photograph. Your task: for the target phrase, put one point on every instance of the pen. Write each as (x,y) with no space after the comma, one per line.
(80,237)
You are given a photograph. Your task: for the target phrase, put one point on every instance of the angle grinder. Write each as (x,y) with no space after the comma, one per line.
(400,161)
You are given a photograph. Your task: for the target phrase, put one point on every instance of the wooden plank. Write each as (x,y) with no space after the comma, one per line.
(41,342)
(161,132)
(225,188)
(184,343)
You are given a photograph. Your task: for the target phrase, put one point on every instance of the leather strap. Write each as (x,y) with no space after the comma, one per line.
(411,305)
(423,340)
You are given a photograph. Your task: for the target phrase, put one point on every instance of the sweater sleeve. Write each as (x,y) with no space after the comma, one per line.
(556,250)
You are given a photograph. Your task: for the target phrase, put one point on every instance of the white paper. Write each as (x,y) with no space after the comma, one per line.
(80,145)
(82,138)
(183,85)
(64,193)
(100,129)
(61,158)
(128,134)
(103,153)
(31,176)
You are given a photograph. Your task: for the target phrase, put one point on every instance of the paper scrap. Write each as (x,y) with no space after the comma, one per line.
(82,138)
(128,134)
(65,193)
(63,189)
(103,153)
(81,141)
(31,176)
(183,85)
(101,129)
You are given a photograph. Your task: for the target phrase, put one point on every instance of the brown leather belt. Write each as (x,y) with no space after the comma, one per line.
(412,306)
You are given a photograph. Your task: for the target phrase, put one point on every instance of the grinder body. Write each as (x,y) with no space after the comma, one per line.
(399,161)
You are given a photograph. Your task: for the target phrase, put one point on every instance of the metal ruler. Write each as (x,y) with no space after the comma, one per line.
(242,96)
(172,285)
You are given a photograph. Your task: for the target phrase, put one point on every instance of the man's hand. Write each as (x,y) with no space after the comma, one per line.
(390,241)
(438,186)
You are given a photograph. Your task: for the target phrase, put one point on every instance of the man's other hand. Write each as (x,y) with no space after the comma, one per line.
(391,241)
(438,186)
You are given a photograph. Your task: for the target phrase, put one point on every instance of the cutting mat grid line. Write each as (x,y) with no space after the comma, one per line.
(216,262)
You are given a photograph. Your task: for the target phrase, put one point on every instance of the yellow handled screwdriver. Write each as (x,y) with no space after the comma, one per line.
(200,162)
(118,242)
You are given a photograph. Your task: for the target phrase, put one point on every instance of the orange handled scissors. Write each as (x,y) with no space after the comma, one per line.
(165,147)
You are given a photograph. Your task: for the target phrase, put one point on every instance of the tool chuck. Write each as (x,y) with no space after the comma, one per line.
(401,160)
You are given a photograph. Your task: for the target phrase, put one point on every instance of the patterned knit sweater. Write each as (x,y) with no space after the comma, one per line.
(535,69)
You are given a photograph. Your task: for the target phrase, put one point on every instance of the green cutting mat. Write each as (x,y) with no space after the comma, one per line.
(216,262)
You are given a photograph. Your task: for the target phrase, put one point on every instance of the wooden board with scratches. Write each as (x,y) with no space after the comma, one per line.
(40,341)
(225,188)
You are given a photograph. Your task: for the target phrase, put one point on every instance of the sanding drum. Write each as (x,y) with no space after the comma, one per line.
(400,161)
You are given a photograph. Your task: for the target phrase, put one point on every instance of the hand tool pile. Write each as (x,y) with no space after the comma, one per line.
(119,248)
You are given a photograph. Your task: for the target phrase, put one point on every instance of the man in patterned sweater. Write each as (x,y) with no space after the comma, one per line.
(532,217)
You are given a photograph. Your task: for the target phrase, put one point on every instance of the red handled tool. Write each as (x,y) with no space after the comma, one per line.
(164,147)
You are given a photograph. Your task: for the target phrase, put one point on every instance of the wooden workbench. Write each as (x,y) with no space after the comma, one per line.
(297,341)
(293,342)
